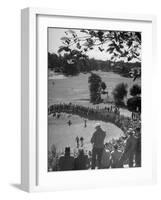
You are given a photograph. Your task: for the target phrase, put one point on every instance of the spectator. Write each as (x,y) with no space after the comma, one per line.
(81,140)
(66,162)
(130,146)
(98,144)
(138,148)
(77,141)
(82,161)
(106,158)
(115,157)
(54,159)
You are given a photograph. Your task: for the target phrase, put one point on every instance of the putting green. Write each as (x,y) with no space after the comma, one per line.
(61,134)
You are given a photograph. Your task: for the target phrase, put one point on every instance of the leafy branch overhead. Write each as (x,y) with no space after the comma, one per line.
(118,44)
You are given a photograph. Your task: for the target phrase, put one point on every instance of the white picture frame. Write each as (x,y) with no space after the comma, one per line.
(31,80)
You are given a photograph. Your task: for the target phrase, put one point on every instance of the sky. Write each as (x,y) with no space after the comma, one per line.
(54,42)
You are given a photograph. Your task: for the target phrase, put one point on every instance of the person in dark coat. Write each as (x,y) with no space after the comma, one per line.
(130,147)
(69,123)
(66,162)
(115,157)
(138,148)
(85,123)
(81,140)
(82,161)
(77,141)
(97,141)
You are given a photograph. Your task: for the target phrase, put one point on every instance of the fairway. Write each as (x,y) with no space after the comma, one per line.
(75,89)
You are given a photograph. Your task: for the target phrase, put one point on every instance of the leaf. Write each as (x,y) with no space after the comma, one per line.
(138,34)
(64,38)
(84,31)
(100,49)
(63,48)
(121,46)
(129,43)
(67,41)
(85,44)
(129,58)
(74,35)
(71,31)
(110,50)
(100,35)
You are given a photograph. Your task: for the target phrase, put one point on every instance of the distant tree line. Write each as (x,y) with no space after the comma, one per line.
(74,63)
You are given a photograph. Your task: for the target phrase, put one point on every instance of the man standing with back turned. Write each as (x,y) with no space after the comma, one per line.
(98,144)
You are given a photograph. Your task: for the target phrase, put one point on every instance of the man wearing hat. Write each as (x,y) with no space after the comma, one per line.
(97,141)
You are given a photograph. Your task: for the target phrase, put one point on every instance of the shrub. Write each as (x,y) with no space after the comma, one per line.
(119,93)
(135,90)
(103,86)
(95,81)
(134,104)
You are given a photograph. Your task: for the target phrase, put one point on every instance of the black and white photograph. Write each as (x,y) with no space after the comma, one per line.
(94,99)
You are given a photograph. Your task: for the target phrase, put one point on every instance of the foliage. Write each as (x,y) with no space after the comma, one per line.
(119,93)
(119,44)
(69,65)
(95,81)
(134,104)
(135,90)
(103,85)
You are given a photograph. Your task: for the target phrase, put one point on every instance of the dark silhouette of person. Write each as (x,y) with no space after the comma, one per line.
(106,158)
(138,148)
(69,123)
(77,141)
(66,162)
(85,123)
(98,145)
(82,161)
(130,147)
(115,157)
(81,140)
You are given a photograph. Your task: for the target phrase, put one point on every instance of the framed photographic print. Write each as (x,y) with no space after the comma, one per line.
(86,108)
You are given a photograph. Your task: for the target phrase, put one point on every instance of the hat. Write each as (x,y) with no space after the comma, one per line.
(97,125)
(67,149)
(130,131)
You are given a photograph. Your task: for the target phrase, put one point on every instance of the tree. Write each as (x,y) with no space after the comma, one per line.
(135,90)
(119,44)
(134,104)
(95,81)
(103,85)
(119,93)
(53,61)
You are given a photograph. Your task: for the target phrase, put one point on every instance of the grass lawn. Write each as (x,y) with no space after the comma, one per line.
(75,90)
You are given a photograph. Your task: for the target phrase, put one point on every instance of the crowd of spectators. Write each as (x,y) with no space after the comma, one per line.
(106,114)
(118,153)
